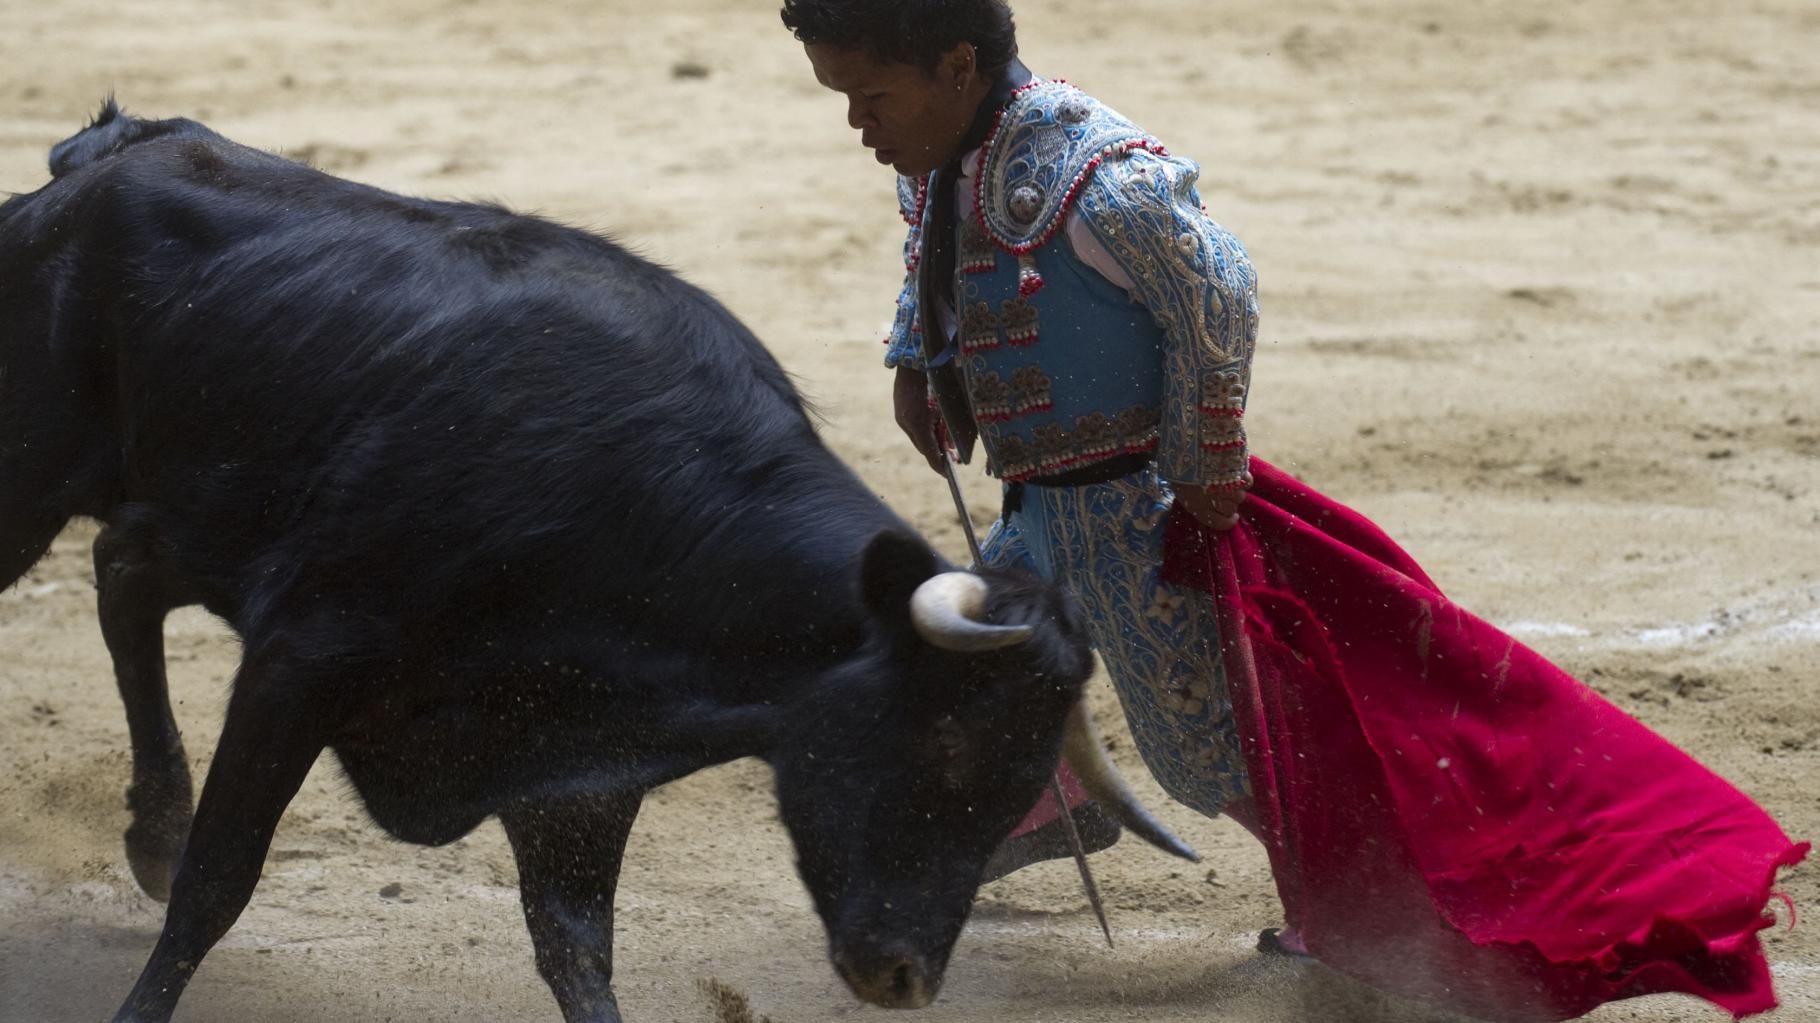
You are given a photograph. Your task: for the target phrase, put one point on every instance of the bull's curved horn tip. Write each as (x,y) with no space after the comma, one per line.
(948,611)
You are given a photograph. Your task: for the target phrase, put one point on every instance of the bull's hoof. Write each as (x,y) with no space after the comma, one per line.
(154,841)
(153,870)
(152,853)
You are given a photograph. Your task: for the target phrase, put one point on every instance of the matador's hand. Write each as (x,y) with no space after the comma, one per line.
(1216,508)
(910,402)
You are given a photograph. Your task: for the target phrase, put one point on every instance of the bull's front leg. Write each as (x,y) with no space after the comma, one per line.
(268,742)
(134,596)
(569,853)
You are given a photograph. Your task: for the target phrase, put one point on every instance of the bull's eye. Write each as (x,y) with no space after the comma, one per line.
(949,736)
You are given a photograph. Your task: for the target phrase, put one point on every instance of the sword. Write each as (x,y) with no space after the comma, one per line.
(1055,780)
(960,505)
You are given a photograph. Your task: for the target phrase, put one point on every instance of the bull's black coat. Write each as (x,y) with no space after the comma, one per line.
(514,521)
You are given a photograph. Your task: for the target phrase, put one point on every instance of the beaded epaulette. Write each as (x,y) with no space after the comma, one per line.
(1044,146)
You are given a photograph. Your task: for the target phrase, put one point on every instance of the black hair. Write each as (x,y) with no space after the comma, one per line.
(914,32)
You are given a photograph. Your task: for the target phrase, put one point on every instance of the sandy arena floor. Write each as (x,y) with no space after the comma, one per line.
(1540,295)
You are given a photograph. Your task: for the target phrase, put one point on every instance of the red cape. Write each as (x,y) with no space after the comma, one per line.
(1448,815)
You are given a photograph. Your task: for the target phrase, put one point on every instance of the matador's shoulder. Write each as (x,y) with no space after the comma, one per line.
(1046,144)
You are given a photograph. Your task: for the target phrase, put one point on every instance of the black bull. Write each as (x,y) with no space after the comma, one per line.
(516,523)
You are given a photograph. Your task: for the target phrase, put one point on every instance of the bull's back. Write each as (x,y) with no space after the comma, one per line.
(324,383)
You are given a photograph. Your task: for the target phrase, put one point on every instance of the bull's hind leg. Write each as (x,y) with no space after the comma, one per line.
(135,594)
(569,853)
(271,736)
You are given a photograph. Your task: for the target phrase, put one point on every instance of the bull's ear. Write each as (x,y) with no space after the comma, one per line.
(109,130)
(894,565)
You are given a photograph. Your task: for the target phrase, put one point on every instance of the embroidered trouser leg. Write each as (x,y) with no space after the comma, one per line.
(1160,643)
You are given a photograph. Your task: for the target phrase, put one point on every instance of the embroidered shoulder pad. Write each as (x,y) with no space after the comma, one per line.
(1046,143)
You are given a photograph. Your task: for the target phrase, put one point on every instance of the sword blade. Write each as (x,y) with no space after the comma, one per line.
(1080,857)
(960,505)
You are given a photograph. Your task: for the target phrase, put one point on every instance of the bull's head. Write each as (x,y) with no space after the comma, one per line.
(906,768)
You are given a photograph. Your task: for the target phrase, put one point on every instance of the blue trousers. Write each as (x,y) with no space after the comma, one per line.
(1159,643)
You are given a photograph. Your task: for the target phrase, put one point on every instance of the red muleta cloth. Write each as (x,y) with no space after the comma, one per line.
(1451,817)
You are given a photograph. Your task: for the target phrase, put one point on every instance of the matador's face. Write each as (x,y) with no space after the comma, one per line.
(912,120)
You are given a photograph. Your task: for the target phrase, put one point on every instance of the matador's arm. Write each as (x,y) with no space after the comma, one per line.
(1198,283)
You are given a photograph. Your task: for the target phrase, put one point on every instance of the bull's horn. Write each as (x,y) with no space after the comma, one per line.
(949,611)
(1081,747)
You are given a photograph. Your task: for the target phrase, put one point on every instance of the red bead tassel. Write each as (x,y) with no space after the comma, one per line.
(1029,278)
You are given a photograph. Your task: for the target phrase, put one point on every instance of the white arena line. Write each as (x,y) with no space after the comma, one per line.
(1785,619)
(1521,629)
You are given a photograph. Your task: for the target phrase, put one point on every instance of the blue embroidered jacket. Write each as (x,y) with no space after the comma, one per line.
(1062,368)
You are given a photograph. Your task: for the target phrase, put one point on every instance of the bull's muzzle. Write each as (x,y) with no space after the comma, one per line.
(890,976)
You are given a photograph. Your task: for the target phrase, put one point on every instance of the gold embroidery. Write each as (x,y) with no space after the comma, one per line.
(1136,421)
(1226,462)
(1030,390)
(1019,318)
(1223,389)
(990,395)
(1053,448)
(977,254)
(1220,430)
(979,328)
